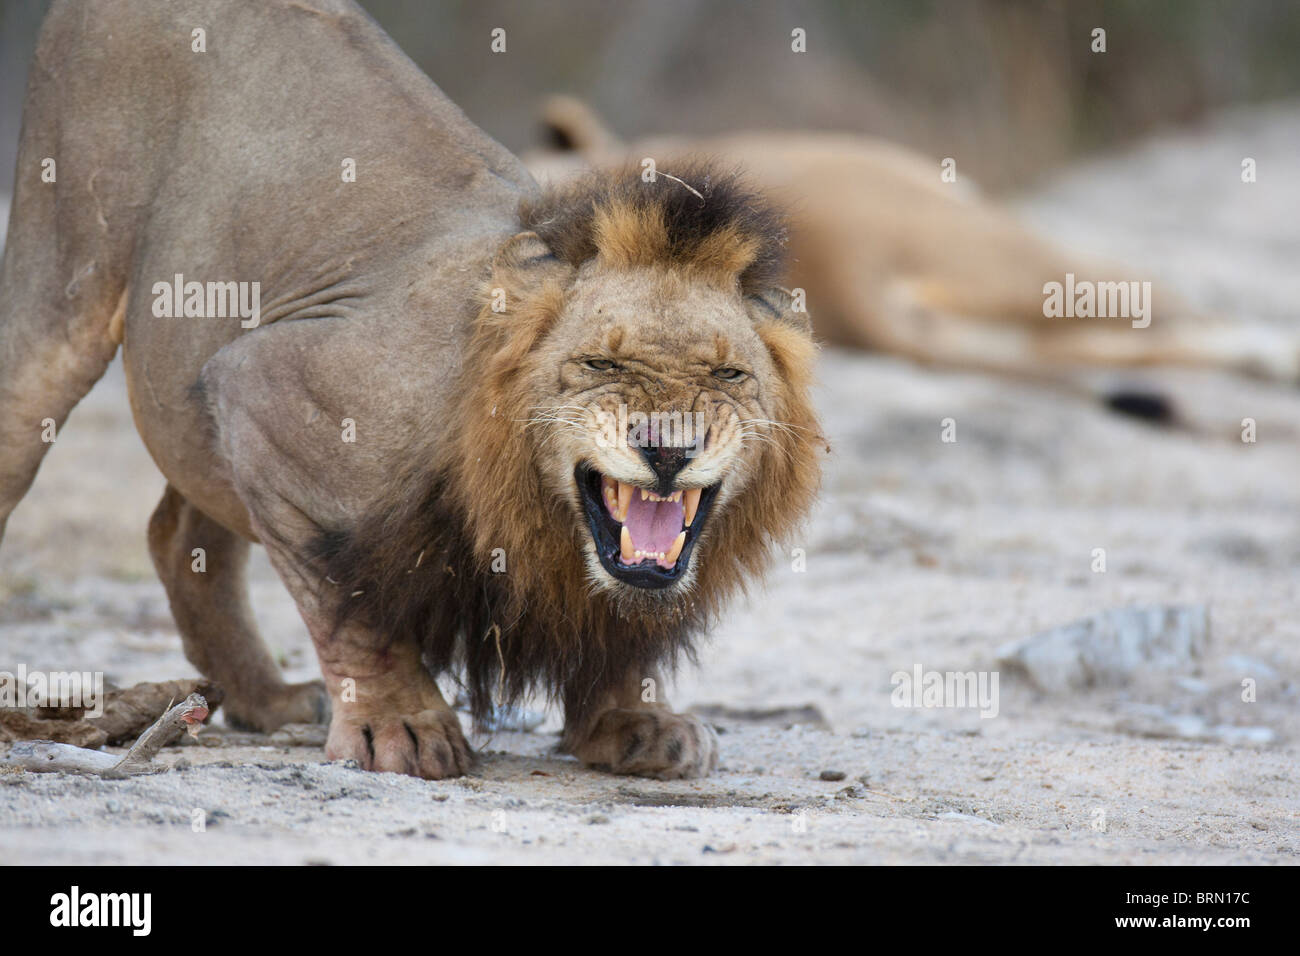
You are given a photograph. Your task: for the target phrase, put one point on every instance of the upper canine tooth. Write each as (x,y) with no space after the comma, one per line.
(624,500)
(691,501)
(625,547)
(675,551)
(644,494)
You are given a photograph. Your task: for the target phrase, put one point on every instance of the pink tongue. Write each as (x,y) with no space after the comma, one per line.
(654,525)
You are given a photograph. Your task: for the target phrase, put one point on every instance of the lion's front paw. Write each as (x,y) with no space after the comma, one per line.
(429,744)
(306,703)
(650,743)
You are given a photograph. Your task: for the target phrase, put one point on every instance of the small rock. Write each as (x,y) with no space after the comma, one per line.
(1110,648)
(833,775)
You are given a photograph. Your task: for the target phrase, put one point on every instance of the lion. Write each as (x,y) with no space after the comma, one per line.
(450,405)
(894,258)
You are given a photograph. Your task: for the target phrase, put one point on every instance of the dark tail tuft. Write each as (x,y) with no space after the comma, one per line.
(1148,406)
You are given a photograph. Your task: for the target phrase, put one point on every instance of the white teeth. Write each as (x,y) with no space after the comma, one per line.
(653,496)
(691,501)
(675,551)
(618,498)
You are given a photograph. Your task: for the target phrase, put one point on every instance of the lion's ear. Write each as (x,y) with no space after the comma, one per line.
(523,250)
(526,264)
(783,305)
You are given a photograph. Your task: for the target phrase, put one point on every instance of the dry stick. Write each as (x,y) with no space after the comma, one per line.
(46,756)
(49,757)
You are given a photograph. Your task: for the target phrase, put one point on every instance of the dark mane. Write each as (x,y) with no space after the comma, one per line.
(420,582)
(700,206)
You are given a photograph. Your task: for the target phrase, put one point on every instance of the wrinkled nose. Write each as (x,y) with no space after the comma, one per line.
(665,461)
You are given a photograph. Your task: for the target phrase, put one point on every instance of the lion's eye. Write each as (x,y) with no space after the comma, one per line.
(729,374)
(599,365)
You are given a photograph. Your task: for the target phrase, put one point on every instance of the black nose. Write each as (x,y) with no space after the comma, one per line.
(665,461)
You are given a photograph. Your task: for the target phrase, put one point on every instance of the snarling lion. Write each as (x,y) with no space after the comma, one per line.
(530,437)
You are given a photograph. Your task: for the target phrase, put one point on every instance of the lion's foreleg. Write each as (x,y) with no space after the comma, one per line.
(387,711)
(631,730)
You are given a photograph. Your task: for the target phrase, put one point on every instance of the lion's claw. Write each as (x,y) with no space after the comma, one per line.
(429,744)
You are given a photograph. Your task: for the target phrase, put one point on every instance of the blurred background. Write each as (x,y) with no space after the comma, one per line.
(1011,85)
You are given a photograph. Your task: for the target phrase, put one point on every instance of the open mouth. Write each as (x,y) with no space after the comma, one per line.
(641,537)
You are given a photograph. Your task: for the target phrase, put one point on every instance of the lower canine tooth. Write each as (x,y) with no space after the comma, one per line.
(675,551)
(625,546)
(691,501)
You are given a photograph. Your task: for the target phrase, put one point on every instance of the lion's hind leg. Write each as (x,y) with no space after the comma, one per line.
(62,289)
(56,341)
(202,566)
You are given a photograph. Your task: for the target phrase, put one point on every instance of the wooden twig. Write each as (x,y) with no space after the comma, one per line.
(46,756)
(127,712)
(188,715)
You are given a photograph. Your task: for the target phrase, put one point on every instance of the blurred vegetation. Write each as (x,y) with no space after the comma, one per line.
(1010,87)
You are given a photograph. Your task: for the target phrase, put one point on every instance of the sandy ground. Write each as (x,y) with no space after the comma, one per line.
(922,553)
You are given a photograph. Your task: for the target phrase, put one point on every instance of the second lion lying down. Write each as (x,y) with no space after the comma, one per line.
(416,426)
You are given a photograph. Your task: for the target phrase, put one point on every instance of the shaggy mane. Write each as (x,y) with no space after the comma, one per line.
(694,217)
(420,567)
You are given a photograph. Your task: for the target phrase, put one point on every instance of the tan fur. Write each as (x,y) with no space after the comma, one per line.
(630,237)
